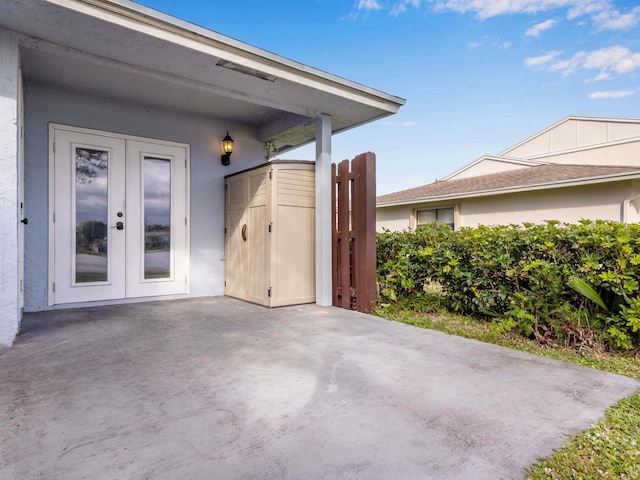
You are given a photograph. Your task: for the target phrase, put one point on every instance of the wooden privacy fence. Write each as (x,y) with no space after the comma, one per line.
(354,233)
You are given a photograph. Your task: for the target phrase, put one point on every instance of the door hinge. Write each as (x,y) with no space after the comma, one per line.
(225,283)
(225,230)
(269,292)
(21,285)
(270,174)
(54,217)
(270,229)
(226,186)
(54,147)
(53,287)
(185,221)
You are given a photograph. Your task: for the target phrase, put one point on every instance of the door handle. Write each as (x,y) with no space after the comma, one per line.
(244,232)
(25,221)
(119,226)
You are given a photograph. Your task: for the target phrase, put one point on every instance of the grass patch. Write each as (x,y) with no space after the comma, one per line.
(609,449)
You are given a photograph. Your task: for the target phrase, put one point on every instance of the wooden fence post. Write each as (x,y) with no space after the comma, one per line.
(354,233)
(364,231)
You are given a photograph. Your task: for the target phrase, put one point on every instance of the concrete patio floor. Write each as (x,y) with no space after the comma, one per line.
(218,388)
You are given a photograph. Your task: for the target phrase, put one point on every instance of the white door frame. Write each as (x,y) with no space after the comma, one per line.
(127,139)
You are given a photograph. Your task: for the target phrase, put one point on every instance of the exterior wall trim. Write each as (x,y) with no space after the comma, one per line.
(10,152)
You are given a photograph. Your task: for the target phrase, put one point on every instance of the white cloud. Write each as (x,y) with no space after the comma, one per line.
(490,41)
(369,5)
(540,27)
(611,94)
(609,62)
(408,124)
(614,20)
(401,6)
(585,7)
(615,59)
(491,8)
(569,66)
(541,60)
(602,12)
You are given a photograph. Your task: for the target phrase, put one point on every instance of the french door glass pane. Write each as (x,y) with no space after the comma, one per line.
(92,201)
(157,218)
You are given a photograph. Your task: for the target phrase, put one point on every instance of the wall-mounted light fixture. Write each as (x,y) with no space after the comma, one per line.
(227,148)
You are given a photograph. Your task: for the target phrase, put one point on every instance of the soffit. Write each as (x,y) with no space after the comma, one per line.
(140,55)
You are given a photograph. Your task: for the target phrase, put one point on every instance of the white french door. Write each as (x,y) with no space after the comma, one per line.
(119,219)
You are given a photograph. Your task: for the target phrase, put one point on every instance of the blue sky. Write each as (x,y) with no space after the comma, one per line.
(478,75)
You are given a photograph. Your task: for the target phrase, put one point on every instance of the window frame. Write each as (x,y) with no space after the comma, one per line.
(453,225)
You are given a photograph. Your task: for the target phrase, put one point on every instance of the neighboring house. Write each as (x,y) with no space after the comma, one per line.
(112,117)
(579,168)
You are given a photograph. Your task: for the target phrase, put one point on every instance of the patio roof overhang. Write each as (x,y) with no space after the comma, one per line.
(120,49)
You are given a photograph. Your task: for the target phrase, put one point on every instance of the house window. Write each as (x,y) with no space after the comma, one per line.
(440,215)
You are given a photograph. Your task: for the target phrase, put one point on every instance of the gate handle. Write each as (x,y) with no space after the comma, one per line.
(244,232)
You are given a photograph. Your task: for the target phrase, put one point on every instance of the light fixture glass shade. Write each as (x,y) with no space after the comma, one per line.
(227,144)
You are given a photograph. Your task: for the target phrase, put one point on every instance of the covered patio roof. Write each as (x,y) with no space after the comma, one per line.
(120,49)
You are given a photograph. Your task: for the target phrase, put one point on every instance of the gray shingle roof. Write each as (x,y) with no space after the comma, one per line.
(519,178)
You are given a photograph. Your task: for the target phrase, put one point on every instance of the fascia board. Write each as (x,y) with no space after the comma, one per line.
(501,191)
(165,27)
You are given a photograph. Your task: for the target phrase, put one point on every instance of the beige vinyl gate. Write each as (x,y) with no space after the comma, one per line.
(270,234)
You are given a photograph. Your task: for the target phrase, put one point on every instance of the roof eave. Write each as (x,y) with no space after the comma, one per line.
(150,20)
(516,189)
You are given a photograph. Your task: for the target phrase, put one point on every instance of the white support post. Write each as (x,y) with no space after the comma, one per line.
(9,208)
(324,285)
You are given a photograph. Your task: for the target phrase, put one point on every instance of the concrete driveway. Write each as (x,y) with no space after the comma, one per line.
(220,389)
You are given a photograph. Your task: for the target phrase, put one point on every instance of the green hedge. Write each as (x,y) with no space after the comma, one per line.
(575,283)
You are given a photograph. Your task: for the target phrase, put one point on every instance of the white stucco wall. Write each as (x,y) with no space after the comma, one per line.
(627,153)
(9,155)
(45,104)
(393,218)
(594,202)
(574,134)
